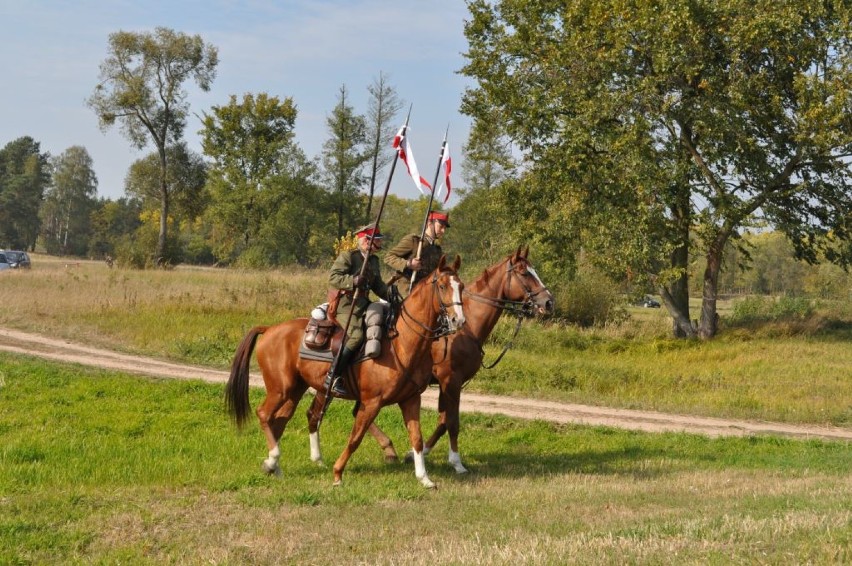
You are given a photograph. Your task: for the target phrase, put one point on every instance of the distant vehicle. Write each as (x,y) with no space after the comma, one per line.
(17,259)
(650,303)
(4,263)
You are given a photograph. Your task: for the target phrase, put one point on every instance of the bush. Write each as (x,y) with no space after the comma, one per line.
(766,309)
(590,299)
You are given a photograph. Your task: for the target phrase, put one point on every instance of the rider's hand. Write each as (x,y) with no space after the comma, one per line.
(414,264)
(359,282)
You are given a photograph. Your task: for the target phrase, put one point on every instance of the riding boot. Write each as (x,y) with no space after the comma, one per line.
(344,359)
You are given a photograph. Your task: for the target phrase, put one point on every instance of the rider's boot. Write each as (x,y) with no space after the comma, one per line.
(344,359)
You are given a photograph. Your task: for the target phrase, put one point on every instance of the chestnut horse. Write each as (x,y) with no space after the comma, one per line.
(509,285)
(399,375)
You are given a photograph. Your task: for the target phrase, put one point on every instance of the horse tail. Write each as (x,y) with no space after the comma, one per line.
(237,389)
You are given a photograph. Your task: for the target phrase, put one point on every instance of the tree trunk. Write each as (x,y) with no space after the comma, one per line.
(160,254)
(709,324)
(676,297)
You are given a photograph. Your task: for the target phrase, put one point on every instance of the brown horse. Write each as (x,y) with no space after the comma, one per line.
(511,284)
(399,375)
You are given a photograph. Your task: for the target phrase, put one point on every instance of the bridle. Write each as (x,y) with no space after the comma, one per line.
(519,309)
(442,328)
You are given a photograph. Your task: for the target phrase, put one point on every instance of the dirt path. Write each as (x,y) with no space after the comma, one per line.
(64,351)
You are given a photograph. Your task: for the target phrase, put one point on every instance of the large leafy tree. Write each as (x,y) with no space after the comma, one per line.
(383,106)
(69,202)
(658,130)
(343,157)
(141,87)
(24,175)
(112,221)
(186,177)
(265,206)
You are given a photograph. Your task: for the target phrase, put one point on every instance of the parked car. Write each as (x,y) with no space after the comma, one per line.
(17,259)
(650,303)
(4,263)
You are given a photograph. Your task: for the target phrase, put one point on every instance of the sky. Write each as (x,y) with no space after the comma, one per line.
(50,53)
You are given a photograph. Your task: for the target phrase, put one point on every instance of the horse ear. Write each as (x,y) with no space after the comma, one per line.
(457,263)
(526,252)
(442,263)
(517,254)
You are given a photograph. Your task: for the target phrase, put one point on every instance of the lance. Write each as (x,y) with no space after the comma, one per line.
(332,369)
(429,208)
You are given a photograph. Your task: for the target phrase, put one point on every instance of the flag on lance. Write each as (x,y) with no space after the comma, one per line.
(400,143)
(447,162)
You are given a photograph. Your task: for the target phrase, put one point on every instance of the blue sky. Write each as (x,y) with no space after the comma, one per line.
(50,52)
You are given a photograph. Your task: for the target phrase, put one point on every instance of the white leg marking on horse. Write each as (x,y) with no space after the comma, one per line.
(420,470)
(456,463)
(316,454)
(270,465)
(457,300)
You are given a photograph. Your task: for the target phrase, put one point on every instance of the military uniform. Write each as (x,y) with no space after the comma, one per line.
(406,249)
(346,267)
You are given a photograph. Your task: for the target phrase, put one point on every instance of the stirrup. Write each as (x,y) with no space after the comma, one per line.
(337,387)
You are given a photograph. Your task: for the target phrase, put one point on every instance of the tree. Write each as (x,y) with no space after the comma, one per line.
(186,177)
(68,203)
(383,107)
(263,197)
(657,134)
(113,221)
(141,88)
(343,159)
(488,159)
(24,174)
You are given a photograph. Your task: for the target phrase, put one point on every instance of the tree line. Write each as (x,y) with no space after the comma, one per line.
(658,147)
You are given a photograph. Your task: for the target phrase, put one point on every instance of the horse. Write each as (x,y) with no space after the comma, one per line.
(398,375)
(509,285)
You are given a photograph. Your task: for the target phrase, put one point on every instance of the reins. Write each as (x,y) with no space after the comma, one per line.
(520,309)
(442,329)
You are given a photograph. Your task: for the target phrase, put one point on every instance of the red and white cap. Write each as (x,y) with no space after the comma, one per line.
(442,217)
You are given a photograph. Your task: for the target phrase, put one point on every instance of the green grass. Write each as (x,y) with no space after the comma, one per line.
(796,370)
(100,467)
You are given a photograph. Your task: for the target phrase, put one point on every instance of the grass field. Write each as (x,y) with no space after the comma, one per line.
(796,371)
(99,467)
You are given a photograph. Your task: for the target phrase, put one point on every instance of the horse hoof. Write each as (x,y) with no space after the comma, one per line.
(428,484)
(391,459)
(461,470)
(337,483)
(272,471)
(409,456)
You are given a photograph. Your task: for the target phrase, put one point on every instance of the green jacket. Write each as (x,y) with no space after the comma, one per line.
(343,272)
(398,256)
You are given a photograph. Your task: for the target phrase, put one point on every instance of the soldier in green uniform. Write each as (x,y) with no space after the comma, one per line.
(346,277)
(403,256)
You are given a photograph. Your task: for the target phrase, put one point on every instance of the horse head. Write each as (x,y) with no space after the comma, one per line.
(448,292)
(524,285)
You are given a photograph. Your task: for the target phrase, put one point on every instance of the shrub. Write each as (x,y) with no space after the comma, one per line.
(590,299)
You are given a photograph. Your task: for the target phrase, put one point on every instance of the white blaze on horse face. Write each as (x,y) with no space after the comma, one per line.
(535,276)
(457,302)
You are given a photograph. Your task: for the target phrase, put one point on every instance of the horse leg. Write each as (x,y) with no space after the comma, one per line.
(451,422)
(313,427)
(363,419)
(411,414)
(385,443)
(273,414)
(440,429)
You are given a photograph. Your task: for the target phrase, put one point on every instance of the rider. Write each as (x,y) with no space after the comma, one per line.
(403,256)
(346,277)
